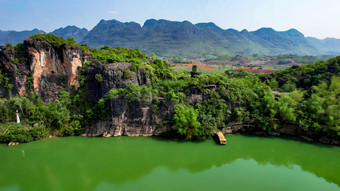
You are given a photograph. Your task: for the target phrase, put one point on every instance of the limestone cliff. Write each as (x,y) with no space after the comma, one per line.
(47,69)
(16,72)
(133,119)
(50,68)
(125,118)
(113,77)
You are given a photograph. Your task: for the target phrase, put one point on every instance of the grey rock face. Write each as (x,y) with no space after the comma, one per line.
(113,77)
(133,119)
(51,68)
(15,72)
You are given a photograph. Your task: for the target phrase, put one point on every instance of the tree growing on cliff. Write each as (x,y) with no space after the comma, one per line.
(186,123)
(99,78)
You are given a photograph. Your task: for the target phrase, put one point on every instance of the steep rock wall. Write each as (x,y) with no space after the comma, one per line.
(15,71)
(52,68)
(113,77)
(133,119)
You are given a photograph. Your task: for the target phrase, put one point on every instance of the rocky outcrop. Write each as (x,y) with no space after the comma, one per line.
(133,119)
(52,68)
(14,70)
(195,95)
(114,75)
(13,144)
(289,129)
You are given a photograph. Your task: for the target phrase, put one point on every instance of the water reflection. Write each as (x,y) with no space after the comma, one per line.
(78,163)
(239,175)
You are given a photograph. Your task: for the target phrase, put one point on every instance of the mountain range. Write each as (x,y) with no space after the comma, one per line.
(184,39)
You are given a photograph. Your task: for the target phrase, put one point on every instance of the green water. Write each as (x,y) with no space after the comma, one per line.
(147,163)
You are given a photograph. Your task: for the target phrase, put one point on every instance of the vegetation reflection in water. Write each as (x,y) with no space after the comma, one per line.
(144,163)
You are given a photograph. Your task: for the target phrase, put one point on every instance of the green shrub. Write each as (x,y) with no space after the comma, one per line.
(99,78)
(289,87)
(185,123)
(23,135)
(127,74)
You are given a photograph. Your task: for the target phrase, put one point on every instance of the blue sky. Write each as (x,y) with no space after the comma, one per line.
(317,18)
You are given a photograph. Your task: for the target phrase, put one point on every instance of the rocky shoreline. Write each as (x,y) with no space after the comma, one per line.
(107,129)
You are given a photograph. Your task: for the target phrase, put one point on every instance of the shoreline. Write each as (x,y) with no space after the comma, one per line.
(300,138)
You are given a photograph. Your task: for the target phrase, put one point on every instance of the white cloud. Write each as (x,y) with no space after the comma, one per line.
(112,12)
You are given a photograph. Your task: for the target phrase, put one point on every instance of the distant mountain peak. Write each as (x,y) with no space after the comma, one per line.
(71,31)
(150,23)
(293,32)
(209,25)
(164,22)
(182,38)
(244,31)
(265,30)
(232,30)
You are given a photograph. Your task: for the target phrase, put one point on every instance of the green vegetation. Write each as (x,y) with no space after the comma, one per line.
(216,70)
(38,117)
(20,133)
(54,40)
(4,81)
(186,123)
(99,78)
(309,97)
(306,76)
(194,68)
(127,75)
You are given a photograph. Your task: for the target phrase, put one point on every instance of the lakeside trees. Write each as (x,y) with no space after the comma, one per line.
(311,98)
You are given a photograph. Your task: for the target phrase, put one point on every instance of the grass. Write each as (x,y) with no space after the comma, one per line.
(277,67)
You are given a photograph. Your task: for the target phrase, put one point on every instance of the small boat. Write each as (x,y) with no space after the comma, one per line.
(221,139)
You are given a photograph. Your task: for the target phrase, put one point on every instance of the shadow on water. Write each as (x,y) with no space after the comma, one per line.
(80,163)
(170,139)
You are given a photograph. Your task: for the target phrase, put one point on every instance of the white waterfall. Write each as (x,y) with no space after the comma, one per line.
(18,118)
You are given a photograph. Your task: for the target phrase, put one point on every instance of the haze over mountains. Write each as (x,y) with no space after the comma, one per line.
(184,39)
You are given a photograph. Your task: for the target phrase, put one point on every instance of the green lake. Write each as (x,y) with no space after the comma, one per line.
(151,163)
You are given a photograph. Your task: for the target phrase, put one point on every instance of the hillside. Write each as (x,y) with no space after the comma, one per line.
(71,32)
(263,64)
(330,46)
(15,37)
(170,39)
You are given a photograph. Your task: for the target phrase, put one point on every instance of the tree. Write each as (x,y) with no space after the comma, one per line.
(186,123)
(194,68)
(127,74)
(153,56)
(265,109)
